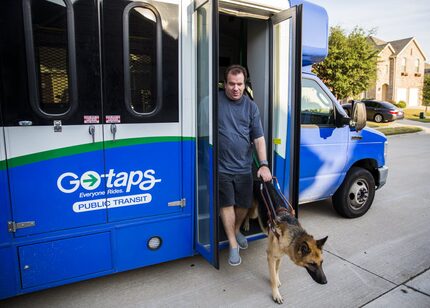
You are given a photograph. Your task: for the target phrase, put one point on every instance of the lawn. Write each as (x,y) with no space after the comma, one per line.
(388,129)
(399,130)
(414,114)
(377,125)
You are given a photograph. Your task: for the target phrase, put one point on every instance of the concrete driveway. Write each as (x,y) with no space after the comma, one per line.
(379,260)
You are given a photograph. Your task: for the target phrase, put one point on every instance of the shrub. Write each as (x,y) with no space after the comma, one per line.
(401,104)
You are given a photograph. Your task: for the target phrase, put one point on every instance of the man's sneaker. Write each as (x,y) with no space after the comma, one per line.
(241,240)
(234,257)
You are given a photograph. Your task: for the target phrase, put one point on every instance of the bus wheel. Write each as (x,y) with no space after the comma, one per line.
(355,196)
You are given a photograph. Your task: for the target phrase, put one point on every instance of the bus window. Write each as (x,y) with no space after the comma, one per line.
(141,67)
(48,51)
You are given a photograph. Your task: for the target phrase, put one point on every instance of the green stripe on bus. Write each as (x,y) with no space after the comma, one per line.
(85,148)
(2,164)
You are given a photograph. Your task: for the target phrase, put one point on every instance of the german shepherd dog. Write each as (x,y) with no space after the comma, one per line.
(292,240)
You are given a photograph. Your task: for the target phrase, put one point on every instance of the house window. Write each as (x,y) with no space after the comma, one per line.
(403,67)
(417,65)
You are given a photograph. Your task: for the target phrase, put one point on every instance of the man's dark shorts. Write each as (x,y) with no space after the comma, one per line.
(235,189)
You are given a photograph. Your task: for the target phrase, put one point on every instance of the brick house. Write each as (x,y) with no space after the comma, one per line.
(400,71)
(427,69)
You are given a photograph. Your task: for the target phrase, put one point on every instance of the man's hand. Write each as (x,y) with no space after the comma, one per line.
(264,172)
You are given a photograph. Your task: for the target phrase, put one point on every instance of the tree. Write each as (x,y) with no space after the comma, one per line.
(426,91)
(350,66)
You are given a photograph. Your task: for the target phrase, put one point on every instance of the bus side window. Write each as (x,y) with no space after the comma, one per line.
(49,49)
(142,61)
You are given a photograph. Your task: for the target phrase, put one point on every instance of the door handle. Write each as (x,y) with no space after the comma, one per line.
(113,130)
(92,132)
(25,123)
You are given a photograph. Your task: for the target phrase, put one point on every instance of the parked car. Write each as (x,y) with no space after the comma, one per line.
(379,111)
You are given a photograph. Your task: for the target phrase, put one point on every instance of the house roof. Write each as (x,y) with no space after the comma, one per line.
(396,46)
(380,44)
(377,41)
(399,45)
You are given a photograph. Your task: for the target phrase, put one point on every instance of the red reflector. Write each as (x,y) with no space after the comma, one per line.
(393,112)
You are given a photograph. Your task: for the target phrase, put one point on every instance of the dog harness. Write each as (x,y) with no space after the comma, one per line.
(282,208)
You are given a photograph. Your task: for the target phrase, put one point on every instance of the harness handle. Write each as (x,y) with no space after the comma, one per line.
(271,223)
(293,212)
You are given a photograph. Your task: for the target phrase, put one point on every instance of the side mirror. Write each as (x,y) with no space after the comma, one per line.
(358,116)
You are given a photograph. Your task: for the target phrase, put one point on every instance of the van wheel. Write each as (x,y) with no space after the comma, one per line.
(378,118)
(355,196)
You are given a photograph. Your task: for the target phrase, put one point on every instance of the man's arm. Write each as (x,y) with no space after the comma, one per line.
(264,171)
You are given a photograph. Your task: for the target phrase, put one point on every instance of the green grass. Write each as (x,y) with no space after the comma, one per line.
(414,114)
(399,130)
(376,125)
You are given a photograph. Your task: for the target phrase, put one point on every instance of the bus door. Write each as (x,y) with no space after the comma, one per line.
(206,55)
(142,129)
(51,113)
(286,61)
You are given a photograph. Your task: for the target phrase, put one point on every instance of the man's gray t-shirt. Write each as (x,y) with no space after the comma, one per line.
(238,125)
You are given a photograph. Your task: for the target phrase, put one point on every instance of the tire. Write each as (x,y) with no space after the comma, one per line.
(378,118)
(355,196)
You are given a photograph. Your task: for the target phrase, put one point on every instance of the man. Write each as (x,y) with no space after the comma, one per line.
(239,126)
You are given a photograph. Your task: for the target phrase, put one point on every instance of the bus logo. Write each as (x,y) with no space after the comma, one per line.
(70,182)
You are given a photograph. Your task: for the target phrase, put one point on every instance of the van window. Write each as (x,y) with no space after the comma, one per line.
(142,60)
(50,43)
(317,108)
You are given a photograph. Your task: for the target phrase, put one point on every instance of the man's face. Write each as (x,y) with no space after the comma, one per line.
(235,86)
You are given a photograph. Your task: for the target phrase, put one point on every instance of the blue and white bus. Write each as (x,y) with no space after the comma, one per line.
(108,117)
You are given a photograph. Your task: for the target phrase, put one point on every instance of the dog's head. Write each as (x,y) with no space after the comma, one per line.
(308,254)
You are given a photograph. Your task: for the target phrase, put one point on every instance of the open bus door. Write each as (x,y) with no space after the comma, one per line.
(284,74)
(286,68)
(206,18)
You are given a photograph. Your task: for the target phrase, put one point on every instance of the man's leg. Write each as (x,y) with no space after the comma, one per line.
(243,191)
(240,214)
(228,219)
(240,217)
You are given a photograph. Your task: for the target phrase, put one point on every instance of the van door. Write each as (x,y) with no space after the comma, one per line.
(51,151)
(142,130)
(286,67)
(206,21)
(323,145)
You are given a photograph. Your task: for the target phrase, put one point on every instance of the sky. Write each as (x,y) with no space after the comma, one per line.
(392,19)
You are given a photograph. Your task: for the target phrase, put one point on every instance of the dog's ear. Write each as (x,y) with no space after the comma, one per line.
(321,242)
(304,249)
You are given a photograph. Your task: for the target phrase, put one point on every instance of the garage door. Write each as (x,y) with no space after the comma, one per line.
(402,94)
(413,97)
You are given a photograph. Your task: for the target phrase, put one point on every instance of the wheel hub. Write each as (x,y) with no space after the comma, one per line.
(358,194)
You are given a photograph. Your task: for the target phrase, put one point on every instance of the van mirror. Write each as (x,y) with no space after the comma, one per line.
(358,116)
